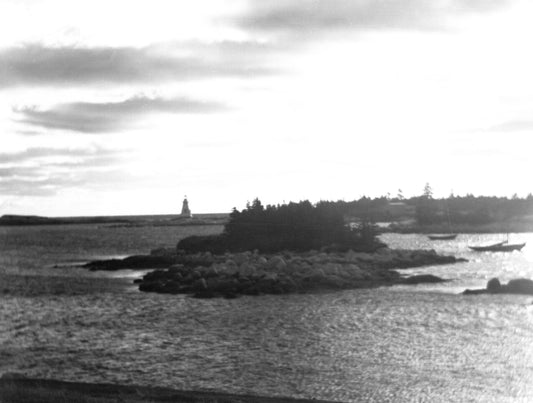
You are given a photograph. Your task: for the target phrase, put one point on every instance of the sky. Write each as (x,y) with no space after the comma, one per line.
(114,107)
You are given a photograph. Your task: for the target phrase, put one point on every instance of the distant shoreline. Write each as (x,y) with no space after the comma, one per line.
(162,220)
(133,221)
(489,228)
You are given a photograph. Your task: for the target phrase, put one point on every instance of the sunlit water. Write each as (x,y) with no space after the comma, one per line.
(402,343)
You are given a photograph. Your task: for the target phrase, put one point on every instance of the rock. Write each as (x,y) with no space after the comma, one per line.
(318,258)
(247,269)
(277,263)
(241,258)
(317,274)
(132,262)
(268,286)
(331,268)
(211,272)
(494,285)
(271,276)
(200,284)
(222,284)
(352,271)
(151,286)
(519,286)
(172,287)
(381,275)
(233,271)
(205,294)
(207,276)
(252,290)
(155,275)
(474,292)
(178,269)
(383,251)
(289,284)
(298,266)
(230,264)
(333,281)
(515,286)
(163,252)
(423,278)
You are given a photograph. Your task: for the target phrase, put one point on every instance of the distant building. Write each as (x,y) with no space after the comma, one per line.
(185,210)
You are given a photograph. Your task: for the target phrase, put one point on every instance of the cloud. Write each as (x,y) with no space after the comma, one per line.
(44,171)
(316,16)
(37,64)
(511,126)
(51,183)
(35,153)
(89,117)
(16,171)
(48,186)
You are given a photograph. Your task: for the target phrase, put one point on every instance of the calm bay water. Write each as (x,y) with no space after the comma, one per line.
(402,343)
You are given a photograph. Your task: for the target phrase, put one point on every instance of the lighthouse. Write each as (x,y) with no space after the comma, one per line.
(185,210)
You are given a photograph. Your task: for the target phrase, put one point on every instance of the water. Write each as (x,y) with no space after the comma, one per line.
(401,343)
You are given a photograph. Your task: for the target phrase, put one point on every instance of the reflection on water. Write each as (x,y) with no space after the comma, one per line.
(416,343)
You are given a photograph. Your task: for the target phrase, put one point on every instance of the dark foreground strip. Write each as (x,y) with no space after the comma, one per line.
(14,390)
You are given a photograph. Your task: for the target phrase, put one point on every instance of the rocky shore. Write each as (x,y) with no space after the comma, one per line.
(204,275)
(516,286)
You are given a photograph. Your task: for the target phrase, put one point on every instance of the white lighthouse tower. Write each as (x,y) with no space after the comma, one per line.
(185,210)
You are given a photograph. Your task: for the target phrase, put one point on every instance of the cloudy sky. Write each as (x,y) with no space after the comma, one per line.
(124,107)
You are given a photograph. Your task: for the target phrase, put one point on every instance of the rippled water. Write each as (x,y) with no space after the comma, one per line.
(402,343)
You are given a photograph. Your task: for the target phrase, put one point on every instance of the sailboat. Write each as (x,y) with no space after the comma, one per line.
(444,237)
(503,246)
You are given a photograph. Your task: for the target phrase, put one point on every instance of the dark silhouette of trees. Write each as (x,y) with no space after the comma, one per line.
(304,226)
(294,226)
(428,210)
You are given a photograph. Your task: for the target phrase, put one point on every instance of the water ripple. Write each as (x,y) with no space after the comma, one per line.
(422,343)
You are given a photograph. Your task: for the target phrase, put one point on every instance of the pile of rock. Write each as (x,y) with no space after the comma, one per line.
(251,273)
(515,286)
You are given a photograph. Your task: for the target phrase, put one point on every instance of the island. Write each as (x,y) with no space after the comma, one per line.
(294,248)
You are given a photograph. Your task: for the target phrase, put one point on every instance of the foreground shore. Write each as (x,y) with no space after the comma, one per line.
(18,389)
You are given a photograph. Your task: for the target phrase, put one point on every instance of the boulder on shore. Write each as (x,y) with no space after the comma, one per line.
(423,278)
(516,286)
(132,262)
(247,273)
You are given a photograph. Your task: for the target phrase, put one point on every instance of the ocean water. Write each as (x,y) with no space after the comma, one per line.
(397,344)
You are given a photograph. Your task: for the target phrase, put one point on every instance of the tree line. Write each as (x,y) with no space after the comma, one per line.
(426,209)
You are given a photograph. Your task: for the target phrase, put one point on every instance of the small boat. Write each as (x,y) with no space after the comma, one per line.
(446,237)
(450,235)
(498,247)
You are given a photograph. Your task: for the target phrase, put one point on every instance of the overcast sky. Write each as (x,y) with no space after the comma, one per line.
(124,107)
